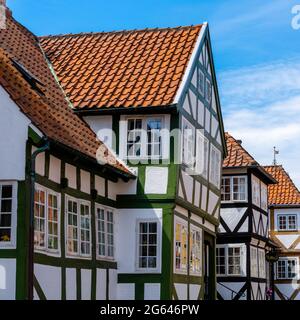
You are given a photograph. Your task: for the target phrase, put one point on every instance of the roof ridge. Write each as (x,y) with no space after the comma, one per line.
(236,141)
(96,33)
(287,175)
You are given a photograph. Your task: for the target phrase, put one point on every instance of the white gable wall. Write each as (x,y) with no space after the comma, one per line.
(13,136)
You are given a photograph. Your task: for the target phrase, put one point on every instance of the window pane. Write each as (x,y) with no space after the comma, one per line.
(6,192)
(147,244)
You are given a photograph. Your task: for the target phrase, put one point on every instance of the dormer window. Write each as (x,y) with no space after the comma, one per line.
(234,188)
(144,138)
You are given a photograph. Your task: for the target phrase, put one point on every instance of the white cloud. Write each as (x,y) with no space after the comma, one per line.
(261,106)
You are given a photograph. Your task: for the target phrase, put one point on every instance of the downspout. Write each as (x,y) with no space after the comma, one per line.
(46,146)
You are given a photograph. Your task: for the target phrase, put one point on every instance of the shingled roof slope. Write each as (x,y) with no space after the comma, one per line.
(49,111)
(237,155)
(284,192)
(138,68)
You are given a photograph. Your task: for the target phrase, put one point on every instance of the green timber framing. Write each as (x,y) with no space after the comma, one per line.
(167,278)
(21,252)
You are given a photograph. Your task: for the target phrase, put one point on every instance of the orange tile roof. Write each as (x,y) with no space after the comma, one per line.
(284,192)
(237,155)
(50,111)
(138,68)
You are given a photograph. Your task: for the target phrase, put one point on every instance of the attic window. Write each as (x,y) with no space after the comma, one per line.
(34,82)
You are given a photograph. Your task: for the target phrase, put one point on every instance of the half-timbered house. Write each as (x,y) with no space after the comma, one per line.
(136,217)
(284,207)
(243,241)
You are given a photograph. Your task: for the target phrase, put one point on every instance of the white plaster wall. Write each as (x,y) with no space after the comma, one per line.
(194,291)
(70,173)
(71,289)
(126,235)
(49,279)
(181,290)
(54,169)
(39,162)
(125,291)
(102,126)
(7,279)
(101,284)
(85,181)
(152,291)
(226,294)
(156,180)
(13,136)
(86,284)
(113,283)
(100,185)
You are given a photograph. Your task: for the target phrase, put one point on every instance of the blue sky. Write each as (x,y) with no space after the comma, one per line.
(256,54)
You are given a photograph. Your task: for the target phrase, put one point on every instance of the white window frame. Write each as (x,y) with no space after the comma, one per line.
(264,196)
(215,166)
(255,191)
(158,248)
(231,188)
(194,229)
(12,244)
(106,210)
(164,134)
(188,137)
(183,224)
(286,259)
(254,261)
(226,247)
(79,202)
(46,250)
(208,84)
(201,88)
(261,263)
(202,152)
(286,216)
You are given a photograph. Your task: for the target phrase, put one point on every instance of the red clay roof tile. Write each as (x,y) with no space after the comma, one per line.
(121,69)
(284,192)
(50,112)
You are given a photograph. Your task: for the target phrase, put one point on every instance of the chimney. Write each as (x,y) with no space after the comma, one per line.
(239,142)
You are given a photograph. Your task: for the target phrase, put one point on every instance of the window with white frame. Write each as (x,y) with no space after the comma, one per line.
(221,261)
(188,143)
(262,263)
(148,245)
(105,232)
(202,154)
(234,188)
(181,243)
(287,222)
(229,260)
(201,82)
(195,251)
(8,214)
(144,137)
(46,220)
(208,91)
(287,268)
(255,190)
(254,262)
(264,196)
(215,166)
(78,225)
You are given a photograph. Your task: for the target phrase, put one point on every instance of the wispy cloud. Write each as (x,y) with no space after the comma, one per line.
(261,105)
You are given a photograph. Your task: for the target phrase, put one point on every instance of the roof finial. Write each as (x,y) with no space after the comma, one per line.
(275,153)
